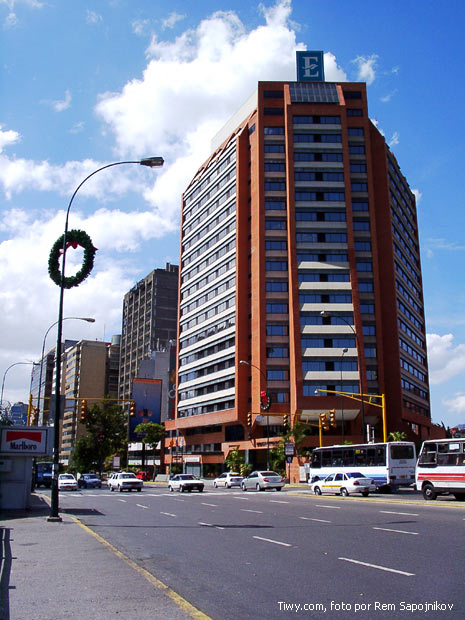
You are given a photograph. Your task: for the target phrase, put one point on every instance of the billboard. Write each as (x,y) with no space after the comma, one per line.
(147,395)
(310,66)
(26,440)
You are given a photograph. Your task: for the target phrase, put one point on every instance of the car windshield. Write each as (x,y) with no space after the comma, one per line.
(66,476)
(128,476)
(186,477)
(355,474)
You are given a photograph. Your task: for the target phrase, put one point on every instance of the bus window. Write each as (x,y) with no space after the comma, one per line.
(360,457)
(336,458)
(316,460)
(327,458)
(428,455)
(381,456)
(402,452)
(348,457)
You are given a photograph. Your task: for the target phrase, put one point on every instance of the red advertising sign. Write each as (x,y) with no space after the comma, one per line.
(24,440)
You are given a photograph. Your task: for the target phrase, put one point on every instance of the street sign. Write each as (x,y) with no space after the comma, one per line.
(289,449)
(289,459)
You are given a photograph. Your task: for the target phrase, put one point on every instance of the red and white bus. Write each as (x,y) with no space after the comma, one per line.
(440,468)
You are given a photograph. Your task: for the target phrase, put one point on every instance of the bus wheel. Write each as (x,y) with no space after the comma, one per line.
(429,492)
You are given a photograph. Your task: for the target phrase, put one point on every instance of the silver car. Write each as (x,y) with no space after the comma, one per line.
(261,480)
(228,479)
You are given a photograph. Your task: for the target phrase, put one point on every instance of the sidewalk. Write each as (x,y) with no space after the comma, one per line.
(54,571)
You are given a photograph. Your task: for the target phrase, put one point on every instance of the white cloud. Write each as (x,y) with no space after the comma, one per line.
(140,26)
(11,20)
(8,137)
(62,104)
(92,17)
(172,20)
(366,68)
(388,97)
(446,360)
(418,195)
(394,140)
(456,403)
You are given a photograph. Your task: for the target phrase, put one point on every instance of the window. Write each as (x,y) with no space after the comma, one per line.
(356,149)
(361,225)
(276,265)
(358,187)
(274,148)
(354,112)
(274,166)
(363,246)
(275,205)
(275,245)
(276,308)
(356,167)
(275,224)
(273,131)
(359,205)
(367,308)
(277,352)
(365,286)
(277,374)
(352,94)
(355,131)
(275,286)
(275,186)
(276,329)
(273,111)
(364,266)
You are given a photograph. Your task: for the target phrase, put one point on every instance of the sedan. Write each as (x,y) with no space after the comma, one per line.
(67,482)
(125,481)
(228,479)
(89,481)
(185,482)
(344,484)
(262,480)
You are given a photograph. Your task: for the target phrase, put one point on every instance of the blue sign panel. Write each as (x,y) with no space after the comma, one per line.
(310,67)
(147,394)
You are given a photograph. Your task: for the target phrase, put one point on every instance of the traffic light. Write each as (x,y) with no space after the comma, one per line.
(324,421)
(332,418)
(83,410)
(249,419)
(286,421)
(132,408)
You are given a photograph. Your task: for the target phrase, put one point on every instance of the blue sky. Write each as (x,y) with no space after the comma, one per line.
(87,83)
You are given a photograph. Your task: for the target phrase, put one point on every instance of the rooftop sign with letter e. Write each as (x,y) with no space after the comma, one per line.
(310,67)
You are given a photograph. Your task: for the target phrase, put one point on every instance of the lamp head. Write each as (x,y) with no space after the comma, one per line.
(152,162)
(88,319)
(244,362)
(324,314)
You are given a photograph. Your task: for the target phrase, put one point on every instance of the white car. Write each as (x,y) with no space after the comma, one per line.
(262,480)
(228,479)
(185,482)
(344,484)
(67,482)
(124,481)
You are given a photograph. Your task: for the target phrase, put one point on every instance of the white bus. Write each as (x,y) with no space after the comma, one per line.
(441,468)
(389,464)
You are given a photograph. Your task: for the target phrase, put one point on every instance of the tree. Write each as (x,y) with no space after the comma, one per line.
(234,460)
(397,436)
(106,434)
(154,433)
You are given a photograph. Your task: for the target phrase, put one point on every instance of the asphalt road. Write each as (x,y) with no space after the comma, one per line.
(260,555)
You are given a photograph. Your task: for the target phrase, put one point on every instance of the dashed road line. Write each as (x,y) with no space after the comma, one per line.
(122,500)
(385,568)
(168,514)
(217,527)
(259,512)
(142,506)
(325,506)
(276,542)
(213,505)
(319,520)
(277,501)
(407,514)
(385,529)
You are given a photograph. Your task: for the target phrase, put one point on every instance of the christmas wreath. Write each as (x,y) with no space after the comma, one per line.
(265,400)
(73,239)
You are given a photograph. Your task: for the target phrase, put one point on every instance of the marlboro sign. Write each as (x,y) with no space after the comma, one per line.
(25,440)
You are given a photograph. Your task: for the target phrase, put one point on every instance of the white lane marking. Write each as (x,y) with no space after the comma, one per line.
(168,514)
(276,542)
(324,506)
(142,506)
(177,499)
(385,529)
(240,497)
(259,512)
(122,500)
(407,514)
(205,504)
(389,570)
(277,501)
(218,527)
(310,519)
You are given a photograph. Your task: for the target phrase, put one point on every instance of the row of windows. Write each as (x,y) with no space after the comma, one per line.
(276,286)
(321,237)
(308,175)
(354,112)
(325,365)
(317,156)
(332,257)
(276,265)
(275,186)
(316,319)
(311,276)
(277,329)
(403,291)
(280,352)
(362,246)
(320,196)
(194,208)
(216,348)
(414,388)
(320,216)
(207,370)
(210,331)
(211,312)
(215,172)
(211,388)
(211,224)
(316,120)
(272,204)
(398,178)
(212,293)
(337,342)
(275,224)
(402,198)
(411,334)
(274,244)
(403,308)
(406,231)
(273,148)
(310,387)
(277,374)
(209,260)
(325,298)
(275,166)
(210,242)
(413,370)
(402,212)
(356,186)
(211,407)
(416,408)
(318,137)
(357,149)
(412,255)
(413,352)
(213,275)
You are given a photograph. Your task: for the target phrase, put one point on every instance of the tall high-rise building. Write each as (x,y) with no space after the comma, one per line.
(300,279)
(149,323)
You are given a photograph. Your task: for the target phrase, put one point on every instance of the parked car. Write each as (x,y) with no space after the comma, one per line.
(67,482)
(110,476)
(89,481)
(228,479)
(261,480)
(143,475)
(185,482)
(344,484)
(124,481)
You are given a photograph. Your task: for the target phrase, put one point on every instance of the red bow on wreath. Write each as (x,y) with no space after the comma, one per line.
(265,400)
(70,244)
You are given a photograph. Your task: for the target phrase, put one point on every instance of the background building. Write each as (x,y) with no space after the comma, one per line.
(149,323)
(299,256)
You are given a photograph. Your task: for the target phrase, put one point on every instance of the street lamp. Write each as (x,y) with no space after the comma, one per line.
(245,363)
(342,397)
(325,315)
(66,318)
(4,374)
(151,162)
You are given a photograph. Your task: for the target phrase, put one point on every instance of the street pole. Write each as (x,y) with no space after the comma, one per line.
(245,363)
(54,506)
(342,397)
(4,375)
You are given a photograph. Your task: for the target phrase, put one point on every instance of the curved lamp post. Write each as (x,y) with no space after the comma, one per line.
(325,314)
(66,318)
(4,374)
(245,363)
(151,162)
(344,351)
